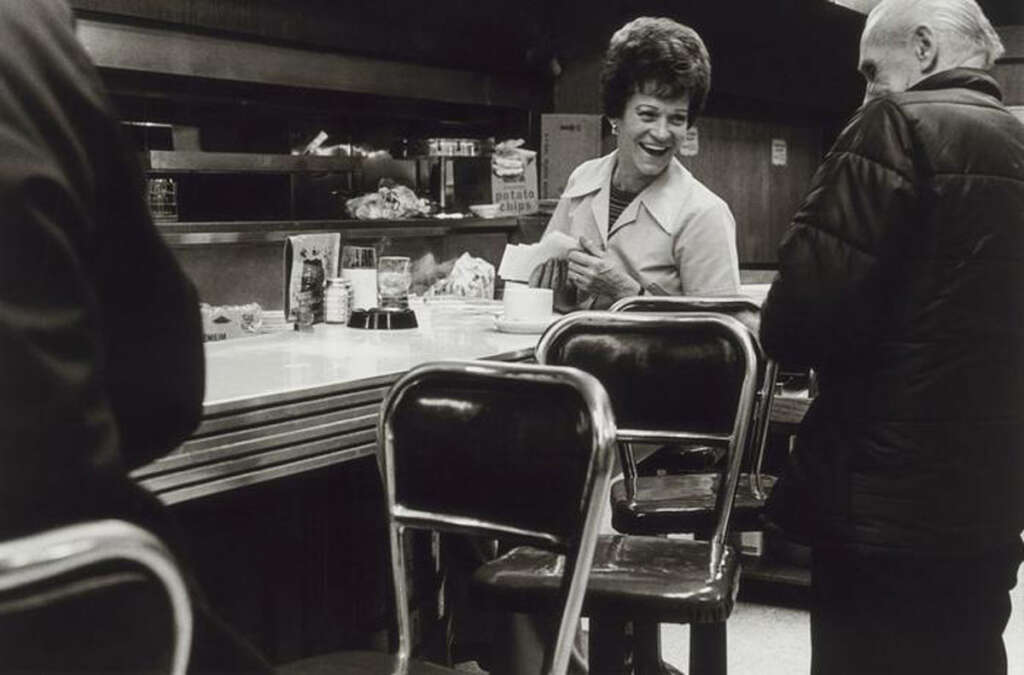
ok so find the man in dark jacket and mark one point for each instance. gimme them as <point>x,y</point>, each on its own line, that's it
<point>101,358</point>
<point>902,282</point>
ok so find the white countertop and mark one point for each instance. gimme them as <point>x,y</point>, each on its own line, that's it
<point>288,361</point>
<point>285,403</point>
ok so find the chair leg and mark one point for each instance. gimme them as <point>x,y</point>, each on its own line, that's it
<point>647,652</point>
<point>707,649</point>
<point>609,647</point>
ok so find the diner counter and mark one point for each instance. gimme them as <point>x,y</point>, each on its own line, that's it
<point>289,402</point>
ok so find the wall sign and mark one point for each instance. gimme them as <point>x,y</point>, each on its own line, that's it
<point>779,152</point>
<point>691,143</point>
<point>566,142</point>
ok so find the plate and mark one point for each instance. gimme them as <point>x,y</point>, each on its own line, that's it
<point>539,326</point>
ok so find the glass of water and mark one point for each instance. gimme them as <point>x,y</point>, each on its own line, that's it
<point>394,277</point>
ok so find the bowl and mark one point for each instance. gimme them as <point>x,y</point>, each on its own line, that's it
<point>484,210</point>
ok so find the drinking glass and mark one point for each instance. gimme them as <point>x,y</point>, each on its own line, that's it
<point>394,277</point>
<point>359,266</point>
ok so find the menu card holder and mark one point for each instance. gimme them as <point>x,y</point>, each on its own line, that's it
<point>307,250</point>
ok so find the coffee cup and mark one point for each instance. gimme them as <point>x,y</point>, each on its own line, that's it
<point>523,303</point>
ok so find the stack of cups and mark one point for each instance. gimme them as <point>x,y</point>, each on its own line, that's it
<point>359,268</point>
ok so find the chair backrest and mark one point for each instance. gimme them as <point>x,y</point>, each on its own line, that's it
<point>747,311</point>
<point>737,306</point>
<point>98,596</point>
<point>671,378</point>
<point>521,452</point>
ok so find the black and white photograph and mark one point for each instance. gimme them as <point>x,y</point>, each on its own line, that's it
<point>538,337</point>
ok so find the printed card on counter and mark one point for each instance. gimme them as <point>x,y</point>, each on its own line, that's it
<point>315,255</point>
<point>519,260</point>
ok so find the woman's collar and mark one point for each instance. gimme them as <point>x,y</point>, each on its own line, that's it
<point>591,176</point>
<point>660,198</point>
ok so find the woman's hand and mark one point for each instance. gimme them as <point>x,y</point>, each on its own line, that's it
<point>550,274</point>
<point>592,270</point>
<point>554,274</point>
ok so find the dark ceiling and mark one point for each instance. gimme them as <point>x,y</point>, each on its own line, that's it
<point>783,52</point>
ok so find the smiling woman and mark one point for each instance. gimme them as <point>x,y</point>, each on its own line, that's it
<point>644,224</point>
<point>649,132</point>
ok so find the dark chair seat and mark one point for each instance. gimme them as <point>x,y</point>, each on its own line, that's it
<point>358,663</point>
<point>683,503</point>
<point>646,578</point>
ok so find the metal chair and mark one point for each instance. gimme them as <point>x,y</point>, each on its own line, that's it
<point>684,503</point>
<point>460,439</point>
<point>646,362</point>
<point>100,596</point>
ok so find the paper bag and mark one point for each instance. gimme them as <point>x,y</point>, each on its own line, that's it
<point>514,179</point>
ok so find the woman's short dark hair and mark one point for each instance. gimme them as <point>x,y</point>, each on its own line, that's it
<point>656,56</point>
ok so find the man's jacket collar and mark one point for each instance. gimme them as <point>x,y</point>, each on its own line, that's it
<point>966,78</point>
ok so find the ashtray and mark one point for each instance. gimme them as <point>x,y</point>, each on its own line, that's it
<point>382,319</point>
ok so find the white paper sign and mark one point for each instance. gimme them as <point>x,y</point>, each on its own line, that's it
<point>691,143</point>
<point>566,142</point>
<point>778,152</point>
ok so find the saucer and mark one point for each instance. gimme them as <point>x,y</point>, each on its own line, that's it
<point>529,326</point>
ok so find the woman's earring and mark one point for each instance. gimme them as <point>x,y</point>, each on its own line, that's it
<point>615,129</point>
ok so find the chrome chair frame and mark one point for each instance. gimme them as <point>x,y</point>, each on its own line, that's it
<point>737,438</point>
<point>765,394</point>
<point>45,555</point>
<point>598,478</point>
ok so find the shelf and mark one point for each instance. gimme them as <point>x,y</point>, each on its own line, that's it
<point>180,161</point>
<point>249,232</point>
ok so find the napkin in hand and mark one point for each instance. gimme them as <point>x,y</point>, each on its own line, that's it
<point>519,260</point>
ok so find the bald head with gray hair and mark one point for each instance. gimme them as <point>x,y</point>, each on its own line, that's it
<point>964,34</point>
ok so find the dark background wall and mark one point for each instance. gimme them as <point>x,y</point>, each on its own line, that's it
<point>1010,69</point>
<point>475,34</point>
